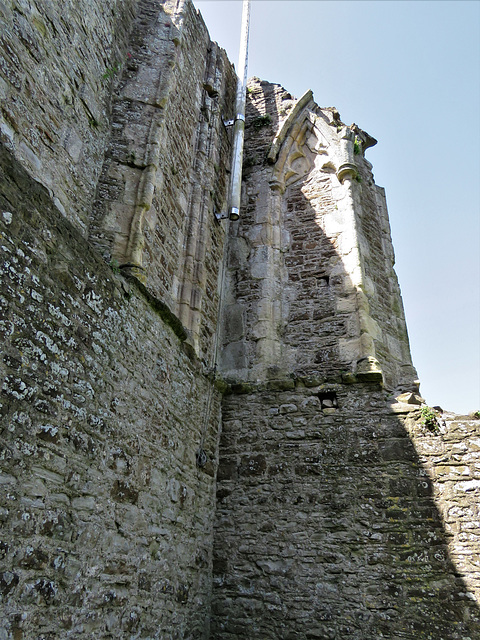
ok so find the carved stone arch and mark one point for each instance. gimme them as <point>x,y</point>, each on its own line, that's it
<point>289,154</point>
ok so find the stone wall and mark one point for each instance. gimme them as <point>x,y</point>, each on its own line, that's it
<point>449,451</point>
<point>311,288</point>
<point>165,170</point>
<point>346,521</point>
<point>109,422</point>
<point>341,512</point>
<point>106,520</point>
<point>58,62</point>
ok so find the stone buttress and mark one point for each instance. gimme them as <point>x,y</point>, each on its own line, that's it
<point>165,169</point>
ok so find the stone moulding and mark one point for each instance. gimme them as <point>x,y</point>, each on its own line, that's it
<point>346,170</point>
<point>309,194</point>
<point>286,126</point>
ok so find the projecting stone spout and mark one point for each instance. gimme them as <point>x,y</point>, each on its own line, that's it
<point>368,369</point>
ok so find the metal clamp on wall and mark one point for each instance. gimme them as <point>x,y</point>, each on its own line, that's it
<point>230,123</point>
<point>220,216</point>
<point>234,215</point>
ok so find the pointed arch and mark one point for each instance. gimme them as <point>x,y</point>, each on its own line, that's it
<point>290,156</point>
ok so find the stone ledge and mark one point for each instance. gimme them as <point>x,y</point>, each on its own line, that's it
<point>159,307</point>
<point>291,382</point>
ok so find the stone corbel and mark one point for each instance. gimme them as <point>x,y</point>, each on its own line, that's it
<point>369,370</point>
<point>346,170</point>
<point>346,157</point>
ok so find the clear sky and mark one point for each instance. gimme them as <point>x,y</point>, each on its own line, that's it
<point>408,73</point>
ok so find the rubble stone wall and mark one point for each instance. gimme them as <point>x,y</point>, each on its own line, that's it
<point>106,520</point>
<point>109,421</point>
<point>340,514</point>
<point>331,508</point>
<point>353,521</point>
<point>58,62</point>
<point>449,451</point>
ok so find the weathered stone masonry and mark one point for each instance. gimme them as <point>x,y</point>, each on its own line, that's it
<point>327,521</point>
<point>335,504</point>
<point>338,514</point>
<point>106,398</point>
<point>165,166</point>
<point>106,520</point>
<point>57,66</point>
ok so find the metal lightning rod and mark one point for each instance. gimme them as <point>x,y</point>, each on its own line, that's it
<point>239,130</point>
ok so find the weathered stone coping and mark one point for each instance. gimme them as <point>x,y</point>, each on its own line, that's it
<point>159,307</point>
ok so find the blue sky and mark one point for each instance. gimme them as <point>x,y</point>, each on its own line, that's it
<point>408,73</point>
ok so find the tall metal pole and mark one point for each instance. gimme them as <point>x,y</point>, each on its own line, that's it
<point>239,131</point>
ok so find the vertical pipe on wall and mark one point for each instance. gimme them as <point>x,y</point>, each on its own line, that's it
<point>237,159</point>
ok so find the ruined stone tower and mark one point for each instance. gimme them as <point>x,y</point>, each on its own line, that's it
<point>324,512</point>
<point>208,429</point>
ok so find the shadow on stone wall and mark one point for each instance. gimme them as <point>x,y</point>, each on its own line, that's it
<point>326,526</point>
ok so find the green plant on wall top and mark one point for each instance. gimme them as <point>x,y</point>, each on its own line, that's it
<point>357,146</point>
<point>429,418</point>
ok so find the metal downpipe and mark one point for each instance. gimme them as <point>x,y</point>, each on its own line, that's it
<point>239,130</point>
